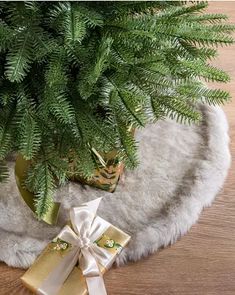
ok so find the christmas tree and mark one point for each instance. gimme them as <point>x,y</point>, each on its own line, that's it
<point>78,77</point>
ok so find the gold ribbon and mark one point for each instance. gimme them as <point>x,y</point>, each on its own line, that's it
<point>87,227</point>
<point>21,168</point>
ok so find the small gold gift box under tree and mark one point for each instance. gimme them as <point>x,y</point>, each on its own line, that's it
<point>106,174</point>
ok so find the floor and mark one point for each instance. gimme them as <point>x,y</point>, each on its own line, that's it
<point>203,261</point>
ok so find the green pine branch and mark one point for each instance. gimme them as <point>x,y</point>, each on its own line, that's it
<point>19,58</point>
<point>7,130</point>
<point>46,187</point>
<point>30,136</point>
<point>4,173</point>
<point>92,71</point>
<point>76,78</point>
<point>177,109</point>
<point>6,36</point>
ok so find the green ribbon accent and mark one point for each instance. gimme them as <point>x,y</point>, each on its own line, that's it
<point>21,167</point>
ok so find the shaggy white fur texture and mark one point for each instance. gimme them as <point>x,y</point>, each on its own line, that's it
<point>181,170</point>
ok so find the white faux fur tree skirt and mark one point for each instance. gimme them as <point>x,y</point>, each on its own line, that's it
<point>181,170</point>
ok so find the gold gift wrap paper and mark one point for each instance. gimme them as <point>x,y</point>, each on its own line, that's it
<point>113,240</point>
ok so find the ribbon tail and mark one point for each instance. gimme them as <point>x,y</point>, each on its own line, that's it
<point>91,271</point>
<point>96,285</point>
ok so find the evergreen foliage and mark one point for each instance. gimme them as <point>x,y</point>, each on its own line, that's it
<point>77,77</point>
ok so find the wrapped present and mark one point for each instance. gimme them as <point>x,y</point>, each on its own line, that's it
<point>75,261</point>
<point>106,174</point>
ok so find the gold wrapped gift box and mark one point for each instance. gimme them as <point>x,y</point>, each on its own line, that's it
<point>113,240</point>
<point>106,175</point>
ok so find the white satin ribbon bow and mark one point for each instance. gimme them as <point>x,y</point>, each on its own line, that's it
<point>87,227</point>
